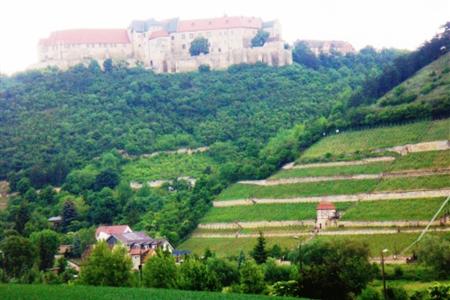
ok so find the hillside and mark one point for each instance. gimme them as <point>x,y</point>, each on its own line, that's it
<point>431,83</point>
<point>384,198</point>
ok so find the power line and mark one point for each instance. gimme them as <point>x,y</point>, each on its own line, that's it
<point>428,226</point>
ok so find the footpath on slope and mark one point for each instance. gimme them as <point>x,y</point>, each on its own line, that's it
<point>340,163</point>
<point>379,196</point>
<point>303,233</point>
<point>398,174</point>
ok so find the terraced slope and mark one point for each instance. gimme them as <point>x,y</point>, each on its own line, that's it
<point>412,188</point>
<point>371,139</point>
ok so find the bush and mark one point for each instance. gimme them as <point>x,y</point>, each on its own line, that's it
<point>396,293</point>
<point>286,288</point>
<point>439,292</point>
<point>369,294</point>
<point>252,278</point>
<point>398,272</point>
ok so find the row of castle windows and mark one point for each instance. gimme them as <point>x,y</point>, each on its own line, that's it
<point>100,45</point>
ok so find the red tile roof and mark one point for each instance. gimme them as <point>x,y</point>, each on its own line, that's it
<point>157,34</point>
<point>87,36</point>
<point>116,229</point>
<point>219,23</point>
<point>325,205</point>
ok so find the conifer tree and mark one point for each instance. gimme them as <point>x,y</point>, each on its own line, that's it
<point>259,253</point>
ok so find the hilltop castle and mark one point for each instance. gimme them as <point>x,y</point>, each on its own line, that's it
<point>163,46</point>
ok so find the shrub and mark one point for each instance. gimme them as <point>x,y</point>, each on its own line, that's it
<point>369,294</point>
<point>396,293</point>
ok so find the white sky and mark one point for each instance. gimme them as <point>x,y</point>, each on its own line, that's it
<point>381,23</point>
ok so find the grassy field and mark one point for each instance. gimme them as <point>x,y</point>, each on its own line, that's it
<point>370,139</point>
<point>57,292</point>
<point>387,210</point>
<point>233,246</point>
<point>167,166</point>
<point>394,210</point>
<point>241,191</point>
<point>431,159</point>
<point>420,160</point>
<point>265,212</point>
<point>373,168</point>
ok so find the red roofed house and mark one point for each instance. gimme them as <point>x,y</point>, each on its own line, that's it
<point>326,211</point>
<point>104,232</point>
<point>163,46</point>
<point>140,246</point>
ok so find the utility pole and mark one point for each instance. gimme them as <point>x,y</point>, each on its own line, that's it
<point>382,272</point>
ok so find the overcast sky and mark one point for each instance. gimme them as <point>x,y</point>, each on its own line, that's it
<point>381,23</point>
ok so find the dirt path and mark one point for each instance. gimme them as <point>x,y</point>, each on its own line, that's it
<point>324,233</point>
<point>340,163</point>
<point>340,198</point>
<point>399,174</point>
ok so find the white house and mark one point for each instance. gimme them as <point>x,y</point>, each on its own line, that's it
<point>326,211</point>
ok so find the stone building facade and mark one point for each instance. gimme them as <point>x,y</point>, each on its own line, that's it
<point>163,46</point>
<point>326,47</point>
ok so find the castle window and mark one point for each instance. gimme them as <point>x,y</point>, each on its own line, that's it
<point>173,37</point>
<point>183,46</point>
<point>220,49</point>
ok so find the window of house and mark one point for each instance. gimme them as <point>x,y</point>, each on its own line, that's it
<point>220,49</point>
<point>173,37</point>
<point>183,46</point>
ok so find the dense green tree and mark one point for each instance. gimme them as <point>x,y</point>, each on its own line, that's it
<point>334,270</point>
<point>106,178</point>
<point>68,214</point>
<point>259,39</point>
<point>259,252</point>
<point>105,266</point>
<point>108,65</point>
<point>46,243</point>
<point>160,271</point>
<point>194,275</point>
<point>199,45</point>
<point>274,272</point>
<point>252,278</point>
<point>23,185</point>
<point>226,272</point>
<point>22,216</point>
<point>18,255</point>
<point>303,55</point>
<point>435,252</point>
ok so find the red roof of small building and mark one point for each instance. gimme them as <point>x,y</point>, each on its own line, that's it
<point>325,205</point>
<point>219,23</point>
<point>157,34</point>
<point>115,229</point>
<point>87,36</point>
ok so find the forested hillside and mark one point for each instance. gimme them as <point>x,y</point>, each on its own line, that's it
<point>83,129</point>
<point>52,121</point>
